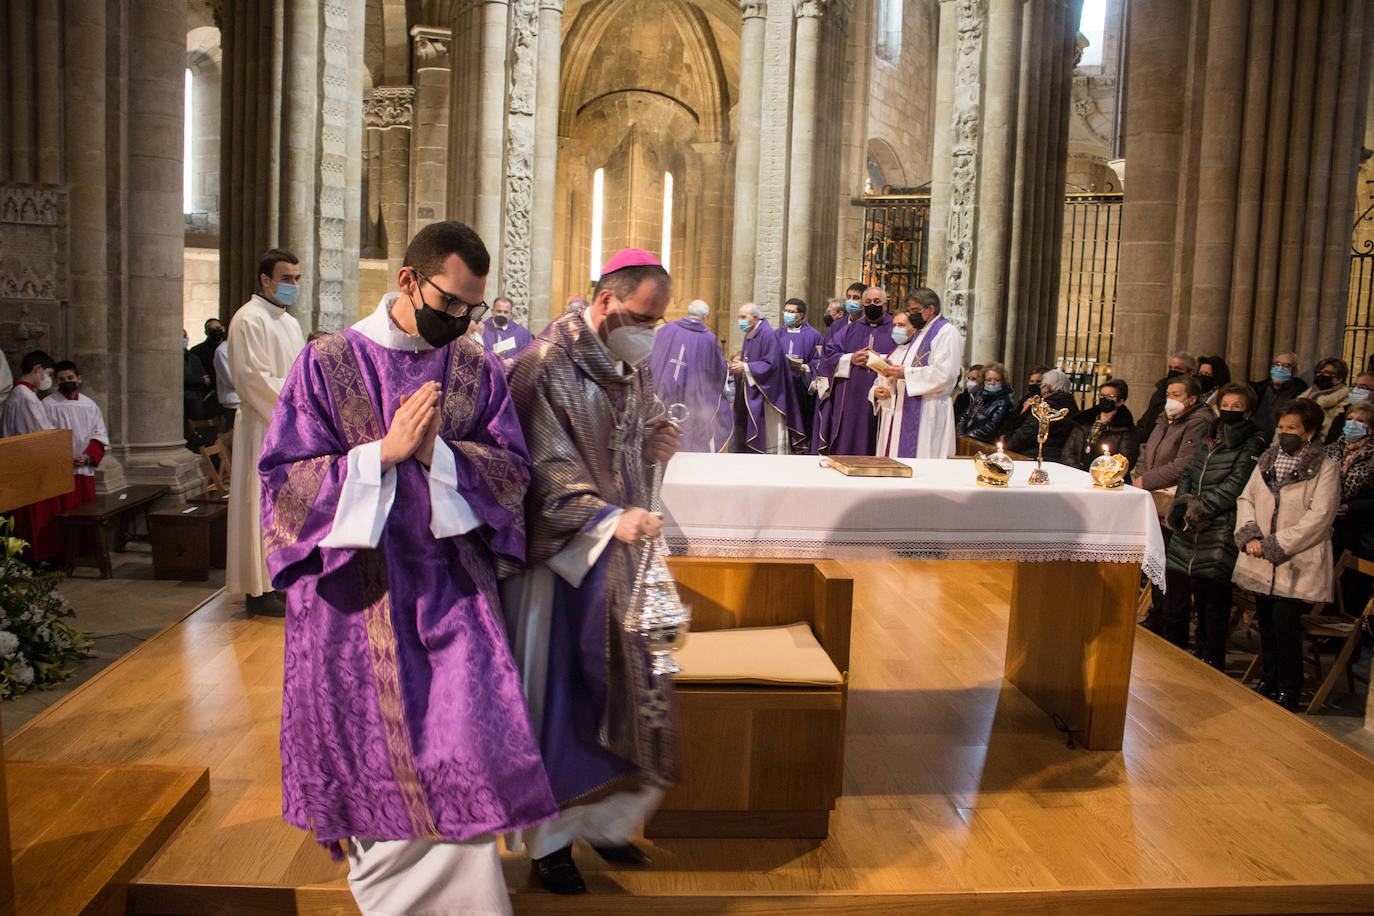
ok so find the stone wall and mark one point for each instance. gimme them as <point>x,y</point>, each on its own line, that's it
<point>901,106</point>
<point>199,290</point>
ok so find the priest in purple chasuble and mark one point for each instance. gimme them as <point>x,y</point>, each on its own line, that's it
<point>502,334</point>
<point>687,368</point>
<point>841,313</point>
<point>915,413</point>
<point>767,418</point>
<point>801,344</point>
<point>851,428</point>
<point>394,474</point>
<point>606,724</point>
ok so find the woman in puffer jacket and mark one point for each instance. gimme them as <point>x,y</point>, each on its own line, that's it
<point>1202,552</point>
<point>1283,529</point>
<point>990,406</point>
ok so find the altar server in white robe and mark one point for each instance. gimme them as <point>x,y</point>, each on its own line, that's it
<point>912,397</point>
<point>264,341</point>
<point>70,409</point>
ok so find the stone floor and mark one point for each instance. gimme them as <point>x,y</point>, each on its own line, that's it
<point>123,611</point>
<point>119,613</point>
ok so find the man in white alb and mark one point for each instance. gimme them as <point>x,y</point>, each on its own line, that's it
<point>264,341</point>
<point>919,423</point>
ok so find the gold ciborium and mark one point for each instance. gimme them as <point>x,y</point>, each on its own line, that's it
<point>993,470</point>
<point>1044,416</point>
<point>1109,471</point>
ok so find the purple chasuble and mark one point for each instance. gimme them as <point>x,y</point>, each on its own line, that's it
<point>495,338</point>
<point>688,368</point>
<point>805,344</point>
<point>851,427</point>
<point>911,409</point>
<point>402,711</point>
<point>772,388</point>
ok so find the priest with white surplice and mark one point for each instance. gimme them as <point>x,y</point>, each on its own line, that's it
<point>72,410</point>
<point>912,395</point>
<point>264,340</point>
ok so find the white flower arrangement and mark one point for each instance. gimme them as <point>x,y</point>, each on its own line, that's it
<point>38,647</point>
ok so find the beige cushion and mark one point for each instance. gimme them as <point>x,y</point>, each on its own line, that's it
<point>787,655</point>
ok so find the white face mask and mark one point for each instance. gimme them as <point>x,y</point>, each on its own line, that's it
<point>1173,408</point>
<point>46,383</point>
<point>632,344</point>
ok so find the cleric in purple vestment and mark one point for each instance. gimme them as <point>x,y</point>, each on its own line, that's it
<point>767,418</point>
<point>840,314</point>
<point>394,474</point>
<point>502,334</point>
<point>687,368</point>
<point>801,344</point>
<point>850,427</point>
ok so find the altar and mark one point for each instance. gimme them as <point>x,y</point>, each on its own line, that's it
<point>1079,553</point>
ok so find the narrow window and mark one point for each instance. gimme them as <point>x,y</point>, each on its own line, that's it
<point>187,169</point>
<point>667,218</point>
<point>598,185</point>
<point>1093,25</point>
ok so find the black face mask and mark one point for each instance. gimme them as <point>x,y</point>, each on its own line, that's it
<point>438,328</point>
<point>829,319</point>
<point>1174,373</point>
<point>67,387</point>
<point>1206,382</point>
<point>873,312</point>
<point>1291,443</point>
<point>1324,383</point>
<point>917,321</point>
<point>1230,417</point>
<point>500,321</point>
<point>1032,389</point>
<point>1106,405</point>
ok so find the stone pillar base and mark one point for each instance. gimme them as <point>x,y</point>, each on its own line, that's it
<point>168,464</point>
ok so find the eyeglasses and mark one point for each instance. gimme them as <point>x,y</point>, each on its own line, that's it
<point>1279,364</point>
<point>449,302</point>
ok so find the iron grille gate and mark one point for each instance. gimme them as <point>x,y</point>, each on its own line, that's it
<point>1087,290</point>
<point>1359,314</point>
<point>896,242</point>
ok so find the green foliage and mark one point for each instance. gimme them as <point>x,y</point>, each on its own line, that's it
<point>38,648</point>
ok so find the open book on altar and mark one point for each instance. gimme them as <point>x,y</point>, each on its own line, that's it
<point>867,466</point>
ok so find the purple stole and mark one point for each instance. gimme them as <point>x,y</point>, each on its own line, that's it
<point>911,412</point>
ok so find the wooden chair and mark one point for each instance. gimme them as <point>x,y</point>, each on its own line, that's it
<point>1317,628</point>
<point>760,759</point>
<point>214,460</point>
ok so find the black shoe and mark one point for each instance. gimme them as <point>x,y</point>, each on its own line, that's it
<point>1267,688</point>
<point>1288,699</point>
<point>270,604</point>
<point>557,873</point>
<point>628,854</point>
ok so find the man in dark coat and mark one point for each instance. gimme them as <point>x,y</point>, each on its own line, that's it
<point>1283,384</point>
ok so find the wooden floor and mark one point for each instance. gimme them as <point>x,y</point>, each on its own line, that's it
<point>959,795</point>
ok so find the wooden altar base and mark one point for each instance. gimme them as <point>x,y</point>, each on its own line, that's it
<point>959,795</point>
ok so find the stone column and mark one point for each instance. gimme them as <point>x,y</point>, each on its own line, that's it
<point>541,309</point>
<point>801,190</point>
<point>388,115</point>
<point>428,168</point>
<point>153,449</point>
<point>770,243</point>
<point>301,157</point>
<point>517,205</point>
<point>477,119</point>
<point>747,153</point>
<point>1243,152</point>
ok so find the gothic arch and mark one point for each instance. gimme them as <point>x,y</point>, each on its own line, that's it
<point>888,161</point>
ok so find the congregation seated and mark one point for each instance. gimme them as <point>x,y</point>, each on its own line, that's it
<point>1033,381</point>
<point>1202,551</point>
<point>1329,390</point>
<point>1359,393</point>
<point>1283,529</point>
<point>1175,437</point>
<point>1107,423</point>
<point>989,407</point>
<point>973,381</point>
<point>1353,451</point>
<point>1180,365</point>
<point>1212,373</point>
<point>1054,388</point>
<point>1283,384</point>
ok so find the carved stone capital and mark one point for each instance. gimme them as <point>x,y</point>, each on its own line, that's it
<point>431,45</point>
<point>810,9</point>
<point>753,9</point>
<point>389,106</point>
<point>554,5</point>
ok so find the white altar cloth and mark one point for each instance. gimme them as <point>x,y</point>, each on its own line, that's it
<point>741,505</point>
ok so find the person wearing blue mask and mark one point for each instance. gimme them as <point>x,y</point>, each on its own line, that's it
<point>1359,393</point>
<point>768,420</point>
<point>1354,451</point>
<point>1283,384</point>
<point>801,344</point>
<point>917,415</point>
<point>991,404</point>
<point>264,341</point>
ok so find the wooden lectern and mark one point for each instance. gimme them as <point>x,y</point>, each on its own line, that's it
<point>33,467</point>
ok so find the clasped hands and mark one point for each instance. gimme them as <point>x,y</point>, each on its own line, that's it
<point>413,429</point>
